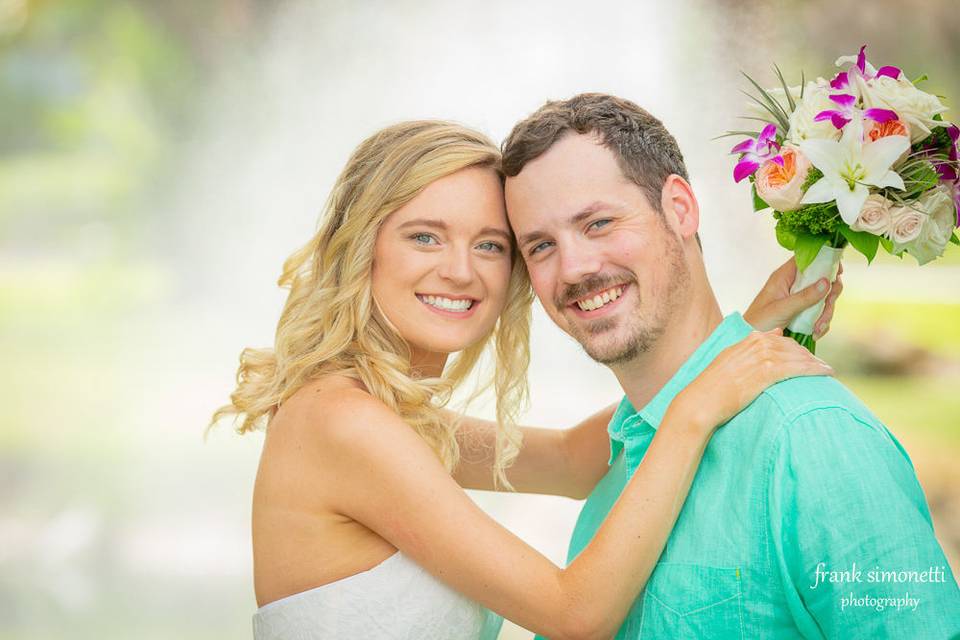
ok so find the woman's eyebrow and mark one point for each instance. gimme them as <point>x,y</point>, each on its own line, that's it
<point>496,231</point>
<point>426,222</point>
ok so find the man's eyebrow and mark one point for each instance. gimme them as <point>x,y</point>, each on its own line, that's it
<point>575,219</point>
<point>588,211</point>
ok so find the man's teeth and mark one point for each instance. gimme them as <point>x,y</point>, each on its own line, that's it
<point>446,303</point>
<point>600,299</point>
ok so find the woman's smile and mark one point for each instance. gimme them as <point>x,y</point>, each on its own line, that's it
<point>452,306</point>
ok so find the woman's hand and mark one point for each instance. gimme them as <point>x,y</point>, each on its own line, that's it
<point>775,306</point>
<point>741,372</point>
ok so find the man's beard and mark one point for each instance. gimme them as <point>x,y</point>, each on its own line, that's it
<point>644,327</point>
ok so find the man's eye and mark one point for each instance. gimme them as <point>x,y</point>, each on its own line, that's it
<point>599,224</point>
<point>495,247</point>
<point>540,247</point>
<point>423,238</point>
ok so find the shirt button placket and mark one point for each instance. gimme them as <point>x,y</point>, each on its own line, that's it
<point>637,434</point>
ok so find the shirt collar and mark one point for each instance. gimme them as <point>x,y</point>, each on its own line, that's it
<point>626,419</point>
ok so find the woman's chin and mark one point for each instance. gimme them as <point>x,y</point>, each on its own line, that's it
<point>443,345</point>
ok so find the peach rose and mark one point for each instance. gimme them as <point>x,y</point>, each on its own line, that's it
<point>876,130</point>
<point>780,186</point>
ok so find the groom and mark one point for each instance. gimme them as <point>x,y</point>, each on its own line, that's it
<point>805,518</point>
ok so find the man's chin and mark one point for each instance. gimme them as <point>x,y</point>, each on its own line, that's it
<point>612,347</point>
<point>609,355</point>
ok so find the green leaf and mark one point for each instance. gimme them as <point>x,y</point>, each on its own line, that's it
<point>887,245</point>
<point>921,78</point>
<point>785,238</point>
<point>758,203</point>
<point>779,119</point>
<point>954,239</point>
<point>807,248</point>
<point>865,243</point>
<point>771,105</point>
<point>786,89</point>
<point>751,134</point>
<point>767,120</point>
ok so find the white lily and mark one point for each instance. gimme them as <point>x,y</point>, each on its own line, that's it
<point>849,166</point>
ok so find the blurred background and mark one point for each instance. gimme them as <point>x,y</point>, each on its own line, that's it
<point>159,160</point>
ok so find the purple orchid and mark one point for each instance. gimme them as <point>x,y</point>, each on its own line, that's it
<point>848,110</point>
<point>950,170</point>
<point>757,151</point>
<point>846,101</point>
<point>863,69</point>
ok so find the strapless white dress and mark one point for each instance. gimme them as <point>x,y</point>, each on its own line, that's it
<point>395,600</point>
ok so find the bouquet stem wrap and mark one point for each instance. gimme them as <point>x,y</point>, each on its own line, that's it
<point>825,265</point>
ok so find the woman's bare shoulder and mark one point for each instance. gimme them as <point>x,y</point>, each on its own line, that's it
<point>333,411</point>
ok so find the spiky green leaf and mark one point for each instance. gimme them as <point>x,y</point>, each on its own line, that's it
<point>786,89</point>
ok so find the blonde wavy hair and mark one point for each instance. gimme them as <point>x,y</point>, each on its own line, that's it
<point>331,324</point>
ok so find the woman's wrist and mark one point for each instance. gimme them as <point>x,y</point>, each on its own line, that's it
<point>690,417</point>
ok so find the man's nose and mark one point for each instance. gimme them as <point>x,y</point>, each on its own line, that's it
<point>577,260</point>
<point>456,266</point>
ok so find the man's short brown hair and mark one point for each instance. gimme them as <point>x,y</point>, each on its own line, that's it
<point>645,150</point>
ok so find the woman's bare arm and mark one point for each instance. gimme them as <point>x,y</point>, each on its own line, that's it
<point>384,476</point>
<point>563,462</point>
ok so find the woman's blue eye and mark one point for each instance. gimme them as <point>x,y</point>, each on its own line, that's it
<point>491,246</point>
<point>599,224</point>
<point>423,238</point>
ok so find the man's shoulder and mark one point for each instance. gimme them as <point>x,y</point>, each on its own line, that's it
<point>793,399</point>
<point>818,417</point>
<point>814,410</point>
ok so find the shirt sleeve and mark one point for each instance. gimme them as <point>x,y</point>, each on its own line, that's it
<point>852,534</point>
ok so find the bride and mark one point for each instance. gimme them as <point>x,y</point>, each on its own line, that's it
<point>361,526</point>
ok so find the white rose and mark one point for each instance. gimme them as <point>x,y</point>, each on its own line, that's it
<point>905,224</point>
<point>874,217</point>
<point>938,224</point>
<point>816,98</point>
<point>915,107</point>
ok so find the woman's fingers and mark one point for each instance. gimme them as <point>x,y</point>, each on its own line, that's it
<point>823,322</point>
<point>742,371</point>
<point>771,358</point>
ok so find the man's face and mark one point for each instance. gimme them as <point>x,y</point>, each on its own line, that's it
<point>605,264</point>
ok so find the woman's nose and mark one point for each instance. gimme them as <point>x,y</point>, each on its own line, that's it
<point>457,267</point>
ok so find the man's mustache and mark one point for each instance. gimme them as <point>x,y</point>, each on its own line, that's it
<point>590,284</point>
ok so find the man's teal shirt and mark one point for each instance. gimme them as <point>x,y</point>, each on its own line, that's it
<point>805,520</point>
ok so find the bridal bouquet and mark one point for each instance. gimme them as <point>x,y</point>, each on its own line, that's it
<point>864,159</point>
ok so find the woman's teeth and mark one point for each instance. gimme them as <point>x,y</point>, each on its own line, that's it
<point>446,303</point>
<point>600,299</point>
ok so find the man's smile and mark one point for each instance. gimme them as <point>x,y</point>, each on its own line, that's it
<point>599,303</point>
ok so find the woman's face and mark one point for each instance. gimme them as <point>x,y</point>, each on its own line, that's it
<point>442,263</point>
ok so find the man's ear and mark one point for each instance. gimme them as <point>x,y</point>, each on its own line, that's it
<point>680,206</point>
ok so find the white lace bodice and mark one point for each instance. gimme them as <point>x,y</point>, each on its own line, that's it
<point>395,600</point>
